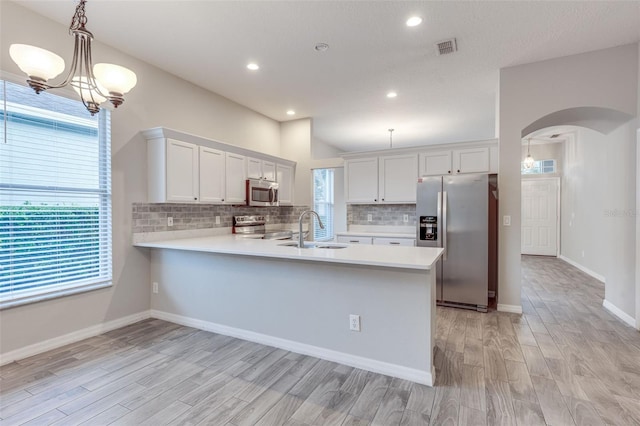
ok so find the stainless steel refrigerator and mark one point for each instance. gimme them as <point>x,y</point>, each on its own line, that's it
<point>459,214</point>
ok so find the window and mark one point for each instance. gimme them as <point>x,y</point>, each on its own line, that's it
<point>55,197</point>
<point>323,203</point>
<point>539,167</point>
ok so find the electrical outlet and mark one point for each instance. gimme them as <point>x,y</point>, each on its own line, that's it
<point>506,220</point>
<point>369,217</point>
<point>169,221</point>
<point>155,288</point>
<point>354,322</point>
<point>405,218</point>
<point>217,220</point>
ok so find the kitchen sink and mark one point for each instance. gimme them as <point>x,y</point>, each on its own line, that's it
<point>314,245</point>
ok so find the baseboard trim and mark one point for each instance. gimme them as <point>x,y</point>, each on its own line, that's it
<point>582,268</point>
<point>623,316</point>
<point>368,364</point>
<point>514,309</point>
<point>72,337</point>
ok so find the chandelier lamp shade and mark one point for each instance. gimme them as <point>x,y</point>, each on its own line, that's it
<point>528,161</point>
<point>94,84</point>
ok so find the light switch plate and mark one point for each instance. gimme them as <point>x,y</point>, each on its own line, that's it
<point>506,220</point>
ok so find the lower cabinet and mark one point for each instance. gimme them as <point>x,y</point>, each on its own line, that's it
<point>394,241</point>
<point>388,241</point>
<point>345,239</point>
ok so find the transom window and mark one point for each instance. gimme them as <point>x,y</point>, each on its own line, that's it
<point>539,167</point>
<point>55,197</point>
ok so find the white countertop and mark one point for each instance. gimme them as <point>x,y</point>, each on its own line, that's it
<point>422,258</point>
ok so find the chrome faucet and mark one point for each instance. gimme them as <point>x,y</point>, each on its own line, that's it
<point>300,234</point>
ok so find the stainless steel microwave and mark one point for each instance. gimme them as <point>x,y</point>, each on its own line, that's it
<point>262,193</point>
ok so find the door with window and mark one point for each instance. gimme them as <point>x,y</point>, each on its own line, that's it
<point>540,216</point>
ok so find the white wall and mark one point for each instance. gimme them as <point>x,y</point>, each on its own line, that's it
<point>159,99</point>
<point>605,78</point>
<point>295,142</point>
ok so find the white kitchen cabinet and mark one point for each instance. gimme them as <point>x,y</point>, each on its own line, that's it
<point>457,161</point>
<point>173,171</point>
<point>435,163</point>
<point>284,177</point>
<point>397,177</point>
<point>212,175</point>
<point>471,160</point>
<point>347,239</point>
<point>385,241</point>
<point>261,169</point>
<point>235,179</point>
<point>361,180</point>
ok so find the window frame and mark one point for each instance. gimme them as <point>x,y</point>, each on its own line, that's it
<point>329,202</point>
<point>104,278</point>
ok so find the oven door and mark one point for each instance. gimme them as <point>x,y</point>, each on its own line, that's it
<point>262,193</point>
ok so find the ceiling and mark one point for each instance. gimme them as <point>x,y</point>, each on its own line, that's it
<point>440,99</point>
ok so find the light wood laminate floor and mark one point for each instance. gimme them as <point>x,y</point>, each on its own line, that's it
<point>565,361</point>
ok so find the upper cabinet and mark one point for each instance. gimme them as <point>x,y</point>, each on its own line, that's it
<point>212,175</point>
<point>386,179</point>
<point>397,177</point>
<point>456,161</point>
<point>284,177</point>
<point>175,178</point>
<point>198,170</point>
<point>390,176</point>
<point>361,180</point>
<point>236,179</point>
<point>261,169</point>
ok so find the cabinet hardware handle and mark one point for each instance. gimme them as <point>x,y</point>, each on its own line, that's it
<point>449,171</point>
<point>195,198</point>
<point>395,243</point>
<point>375,199</point>
<point>458,170</point>
<point>223,199</point>
<point>354,241</point>
<point>383,199</point>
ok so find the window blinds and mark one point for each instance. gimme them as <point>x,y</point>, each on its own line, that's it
<point>55,197</point>
<point>323,203</point>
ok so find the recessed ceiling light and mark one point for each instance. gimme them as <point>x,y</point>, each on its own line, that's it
<point>253,67</point>
<point>392,95</point>
<point>414,21</point>
<point>291,112</point>
<point>321,47</point>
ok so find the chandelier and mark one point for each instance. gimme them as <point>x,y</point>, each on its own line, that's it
<point>94,84</point>
<point>529,161</point>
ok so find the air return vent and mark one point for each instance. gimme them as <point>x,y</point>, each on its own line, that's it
<point>447,46</point>
<point>554,136</point>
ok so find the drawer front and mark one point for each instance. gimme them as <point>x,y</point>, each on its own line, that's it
<point>395,241</point>
<point>346,239</point>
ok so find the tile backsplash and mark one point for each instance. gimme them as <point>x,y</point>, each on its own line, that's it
<point>149,217</point>
<point>381,214</point>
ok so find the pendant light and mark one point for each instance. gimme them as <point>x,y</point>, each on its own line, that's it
<point>528,161</point>
<point>391,138</point>
<point>94,84</point>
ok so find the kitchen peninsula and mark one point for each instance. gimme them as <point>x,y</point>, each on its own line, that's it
<point>301,299</point>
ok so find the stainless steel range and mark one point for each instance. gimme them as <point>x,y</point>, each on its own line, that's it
<point>254,226</point>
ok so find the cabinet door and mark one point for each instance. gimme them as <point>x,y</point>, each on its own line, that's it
<point>254,168</point>
<point>361,180</point>
<point>471,160</point>
<point>435,163</point>
<point>346,239</point>
<point>385,241</point>
<point>212,175</point>
<point>269,170</point>
<point>284,177</point>
<point>235,179</point>
<point>182,172</point>
<point>398,177</point>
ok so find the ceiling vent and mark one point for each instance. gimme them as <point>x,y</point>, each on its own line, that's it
<point>447,46</point>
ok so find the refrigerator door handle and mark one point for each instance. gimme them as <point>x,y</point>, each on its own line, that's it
<point>444,224</point>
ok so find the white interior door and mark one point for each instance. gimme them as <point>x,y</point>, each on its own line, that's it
<point>540,216</point>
